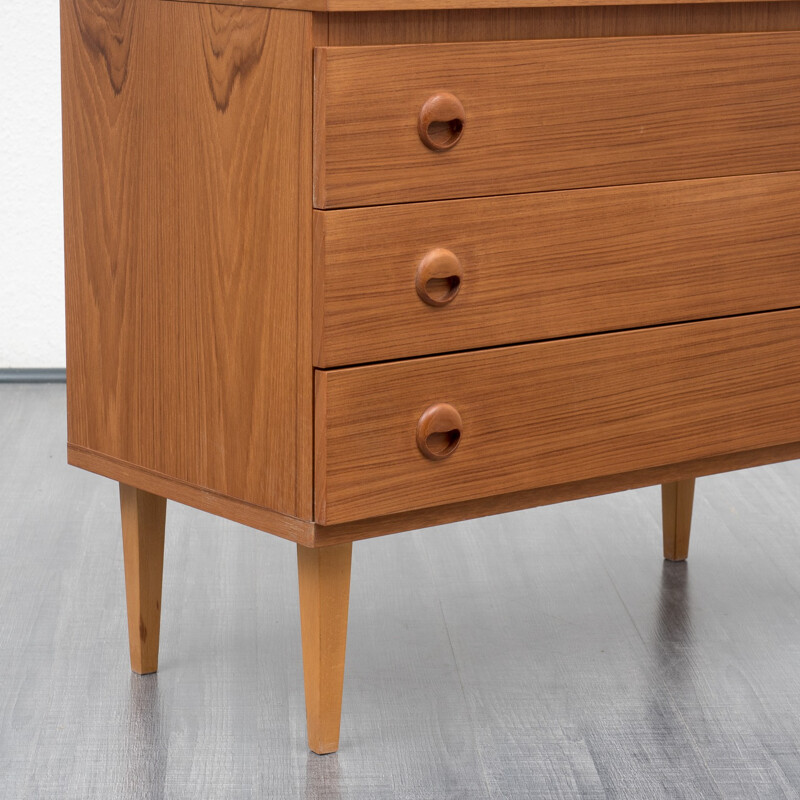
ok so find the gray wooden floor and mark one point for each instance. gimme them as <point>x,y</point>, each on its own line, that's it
<point>546,654</point>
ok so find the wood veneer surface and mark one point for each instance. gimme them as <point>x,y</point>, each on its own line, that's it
<point>419,5</point>
<point>187,132</point>
<point>407,27</point>
<point>554,114</point>
<point>554,264</point>
<point>555,412</point>
<point>146,73</point>
<point>325,535</point>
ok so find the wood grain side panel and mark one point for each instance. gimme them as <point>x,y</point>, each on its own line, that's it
<point>554,264</point>
<point>559,412</point>
<point>107,163</point>
<point>187,137</point>
<point>409,27</point>
<point>544,115</point>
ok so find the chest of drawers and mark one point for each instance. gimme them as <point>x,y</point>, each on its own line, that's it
<point>344,268</point>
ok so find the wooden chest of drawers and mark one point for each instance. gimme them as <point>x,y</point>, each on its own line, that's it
<point>342,268</point>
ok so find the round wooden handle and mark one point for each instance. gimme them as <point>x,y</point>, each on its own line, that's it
<point>439,431</point>
<point>439,277</point>
<point>441,121</point>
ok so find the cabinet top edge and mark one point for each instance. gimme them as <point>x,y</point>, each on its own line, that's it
<point>451,5</point>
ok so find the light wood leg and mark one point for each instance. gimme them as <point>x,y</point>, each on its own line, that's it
<point>676,509</point>
<point>143,518</point>
<point>324,576</point>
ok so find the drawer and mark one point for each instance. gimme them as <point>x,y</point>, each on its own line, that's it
<point>422,278</point>
<point>550,413</point>
<point>551,114</point>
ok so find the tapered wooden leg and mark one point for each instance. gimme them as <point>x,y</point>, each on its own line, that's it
<point>143,518</point>
<point>324,575</point>
<point>676,509</point>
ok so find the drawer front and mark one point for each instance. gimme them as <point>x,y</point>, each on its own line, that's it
<point>539,115</point>
<point>550,413</point>
<point>502,270</point>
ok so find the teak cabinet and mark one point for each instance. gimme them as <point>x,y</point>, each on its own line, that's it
<point>342,268</point>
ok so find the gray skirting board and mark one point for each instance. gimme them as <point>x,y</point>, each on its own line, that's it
<point>57,375</point>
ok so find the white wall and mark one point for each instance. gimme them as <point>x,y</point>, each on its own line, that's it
<point>31,226</point>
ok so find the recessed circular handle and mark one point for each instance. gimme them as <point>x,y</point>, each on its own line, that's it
<point>439,431</point>
<point>441,121</point>
<point>439,277</point>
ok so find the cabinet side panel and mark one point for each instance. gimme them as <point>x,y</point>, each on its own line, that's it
<point>187,215</point>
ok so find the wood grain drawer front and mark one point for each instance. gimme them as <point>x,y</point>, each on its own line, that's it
<point>550,413</point>
<point>557,114</point>
<point>552,264</point>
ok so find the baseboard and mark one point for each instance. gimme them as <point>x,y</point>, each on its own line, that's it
<point>57,375</point>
